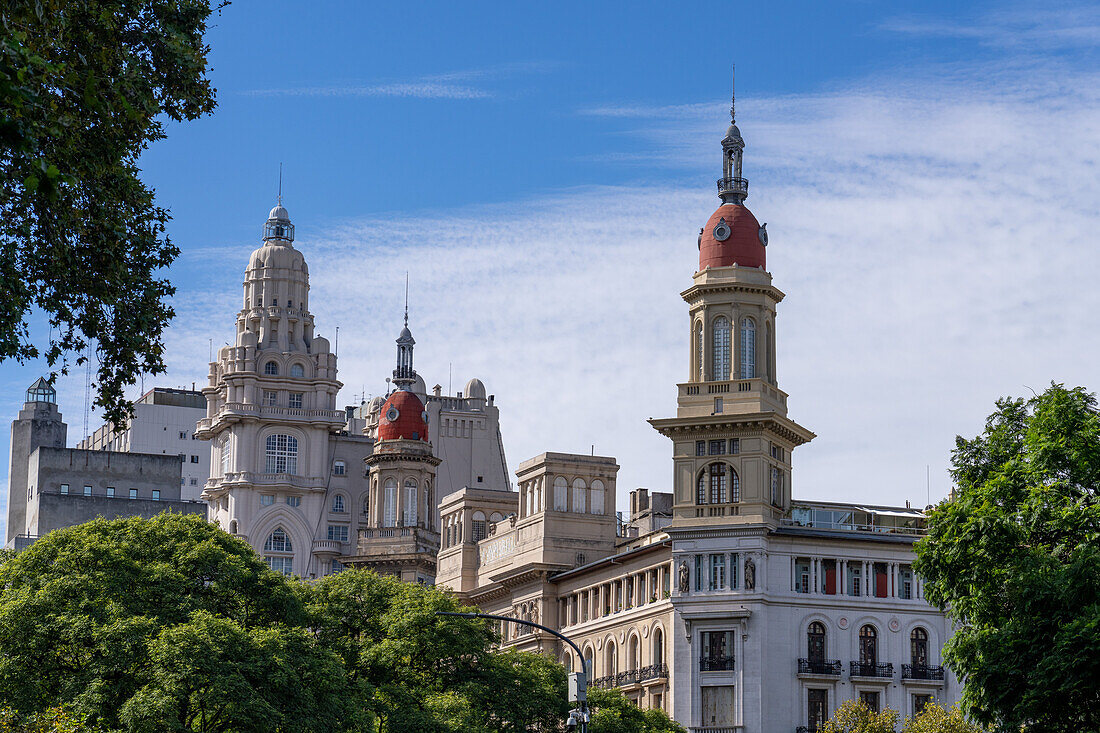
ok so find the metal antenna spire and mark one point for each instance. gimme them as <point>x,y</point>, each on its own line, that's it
<point>406,298</point>
<point>280,184</point>
<point>733,92</point>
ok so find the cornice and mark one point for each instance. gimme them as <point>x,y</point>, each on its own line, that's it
<point>697,291</point>
<point>785,428</point>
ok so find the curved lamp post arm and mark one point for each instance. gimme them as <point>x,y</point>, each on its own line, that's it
<point>558,634</point>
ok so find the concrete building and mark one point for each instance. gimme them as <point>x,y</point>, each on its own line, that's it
<point>725,602</point>
<point>298,478</point>
<point>163,423</point>
<point>51,486</point>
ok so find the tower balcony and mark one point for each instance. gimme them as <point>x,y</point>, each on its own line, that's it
<point>233,412</point>
<point>733,185</point>
<point>392,542</point>
<point>737,396</point>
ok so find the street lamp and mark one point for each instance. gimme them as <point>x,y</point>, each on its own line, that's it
<point>578,681</point>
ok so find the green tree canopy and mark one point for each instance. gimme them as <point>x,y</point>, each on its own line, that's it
<point>854,716</point>
<point>1014,558</point>
<point>85,86</point>
<point>612,712</point>
<point>162,624</point>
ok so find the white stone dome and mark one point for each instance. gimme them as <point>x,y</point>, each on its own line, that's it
<point>475,388</point>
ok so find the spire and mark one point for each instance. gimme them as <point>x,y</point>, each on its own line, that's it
<point>280,199</point>
<point>404,375</point>
<point>277,228</point>
<point>732,187</point>
<point>733,99</point>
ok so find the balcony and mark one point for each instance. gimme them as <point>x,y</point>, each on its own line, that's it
<point>326,547</point>
<point>921,672</point>
<point>653,672</point>
<point>831,667</point>
<point>720,663</point>
<point>874,671</point>
<point>733,185</point>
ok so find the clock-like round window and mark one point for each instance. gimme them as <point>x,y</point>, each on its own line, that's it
<point>392,414</point>
<point>424,416</point>
<point>722,231</point>
<point>763,234</point>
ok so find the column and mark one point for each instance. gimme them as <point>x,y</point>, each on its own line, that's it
<point>841,577</point>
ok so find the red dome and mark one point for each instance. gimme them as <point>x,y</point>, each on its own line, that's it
<point>403,417</point>
<point>742,246</point>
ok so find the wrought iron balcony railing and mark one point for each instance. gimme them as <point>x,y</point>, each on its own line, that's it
<point>820,666</point>
<point>733,185</point>
<point>921,672</point>
<point>653,672</point>
<point>859,669</point>
<point>720,663</point>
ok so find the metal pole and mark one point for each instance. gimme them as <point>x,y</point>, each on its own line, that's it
<point>583,703</point>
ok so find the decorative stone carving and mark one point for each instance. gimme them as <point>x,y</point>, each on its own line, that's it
<point>685,577</point>
<point>750,574</point>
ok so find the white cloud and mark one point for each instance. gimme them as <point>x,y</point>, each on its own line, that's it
<point>936,240</point>
<point>1055,26</point>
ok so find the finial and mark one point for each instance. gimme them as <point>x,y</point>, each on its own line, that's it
<point>733,93</point>
<point>280,184</point>
<point>406,298</point>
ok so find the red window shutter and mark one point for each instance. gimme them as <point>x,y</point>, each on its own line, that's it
<point>830,580</point>
<point>880,584</point>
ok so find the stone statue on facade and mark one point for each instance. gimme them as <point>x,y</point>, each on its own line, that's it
<point>685,577</point>
<point>750,574</point>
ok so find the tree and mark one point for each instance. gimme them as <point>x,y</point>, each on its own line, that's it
<point>163,624</point>
<point>934,719</point>
<point>854,716</point>
<point>85,87</point>
<point>1014,558</point>
<point>614,713</point>
<point>418,671</point>
<point>53,720</point>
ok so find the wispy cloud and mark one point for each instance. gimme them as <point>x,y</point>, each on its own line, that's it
<point>460,84</point>
<point>1047,28</point>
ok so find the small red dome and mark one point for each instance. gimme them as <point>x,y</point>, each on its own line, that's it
<point>741,247</point>
<point>403,417</point>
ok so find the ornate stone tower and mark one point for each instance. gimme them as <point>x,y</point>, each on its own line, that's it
<point>402,537</point>
<point>38,424</point>
<point>732,439</point>
<point>271,407</point>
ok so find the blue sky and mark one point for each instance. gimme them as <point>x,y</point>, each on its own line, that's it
<point>927,170</point>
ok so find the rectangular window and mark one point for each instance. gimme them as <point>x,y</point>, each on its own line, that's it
<point>735,446</point>
<point>700,447</point>
<point>294,501</point>
<point>339,468</point>
<point>905,585</point>
<point>338,532</point>
<point>920,702</point>
<point>870,699</point>
<point>183,435</point>
<point>269,398</point>
<point>802,576</point>
<point>717,447</point>
<point>64,488</point>
<point>777,452</point>
<point>337,567</point>
<point>717,651</point>
<point>479,530</point>
<point>855,569</point>
<point>717,706</point>
<point>194,459</point>
<point>294,400</point>
<point>717,572</point>
<point>133,493</point>
<point>183,458</point>
<point>156,494</point>
<point>818,711</point>
<point>87,491</point>
<point>280,564</point>
<point>194,482</point>
<point>734,561</point>
<point>110,491</point>
<point>267,499</point>
<point>698,572</point>
<point>717,405</point>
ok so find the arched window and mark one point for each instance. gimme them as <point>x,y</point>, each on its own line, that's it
<point>769,353</point>
<point>611,660</point>
<point>597,497</point>
<point>567,661</point>
<point>365,510</point>
<point>588,657</point>
<point>701,488</point>
<point>700,354</point>
<point>282,454</point>
<point>918,647</point>
<point>233,527</point>
<point>338,504</point>
<point>720,364</point>
<point>271,368</point>
<point>658,647</point>
<point>408,517</point>
<point>579,491</point>
<point>278,552</point>
<point>495,517</point>
<point>479,528</point>
<point>815,643</point>
<point>389,503</point>
<point>868,646</point>
<point>296,370</point>
<point>561,494</point>
<point>719,483</point>
<point>633,646</point>
<point>748,348</point>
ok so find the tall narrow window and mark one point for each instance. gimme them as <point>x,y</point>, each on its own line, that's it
<point>561,494</point>
<point>579,490</point>
<point>717,572</point>
<point>282,454</point>
<point>408,517</point>
<point>338,504</point>
<point>721,349</point>
<point>868,648</point>
<point>918,647</point>
<point>719,483</point>
<point>479,526</point>
<point>700,358</point>
<point>597,497</point>
<point>815,643</point>
<point>226,456</point>
<point>748,348</point>
<point>389,505</point>
<point>658,647</point>
<point>701,488</point>
<point>769,354</point>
